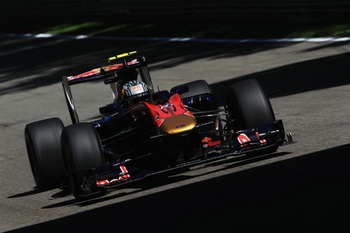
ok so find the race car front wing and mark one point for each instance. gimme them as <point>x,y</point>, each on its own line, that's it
<point>263,138</point>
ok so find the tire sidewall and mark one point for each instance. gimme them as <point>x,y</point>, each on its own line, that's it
<point>82,151</point>
<point>43,144</point>
<point>248,105</point>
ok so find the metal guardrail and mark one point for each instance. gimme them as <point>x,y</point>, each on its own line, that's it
<point>172,10</point>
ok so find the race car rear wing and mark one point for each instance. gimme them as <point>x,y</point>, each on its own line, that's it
<point>105,73</point>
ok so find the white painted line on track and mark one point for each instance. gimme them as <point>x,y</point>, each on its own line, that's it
<point>180,39</point>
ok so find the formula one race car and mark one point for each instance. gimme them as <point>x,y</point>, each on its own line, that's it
<point>146,132</point>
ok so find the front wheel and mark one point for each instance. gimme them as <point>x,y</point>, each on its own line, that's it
<point>82,150</point>
<point>43,142</point>
<point>249,107</point>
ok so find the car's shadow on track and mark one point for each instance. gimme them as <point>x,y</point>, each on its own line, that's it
<point>303,194</point>
<point>28,193</point>
<point>35,190</point>
<point>166,179</point>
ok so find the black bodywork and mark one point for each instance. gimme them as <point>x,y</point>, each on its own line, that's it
<point>130,139</point>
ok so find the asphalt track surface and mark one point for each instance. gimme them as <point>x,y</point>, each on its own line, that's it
<point>304,187</point>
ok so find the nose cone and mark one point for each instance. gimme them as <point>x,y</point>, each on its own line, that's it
<point>178,124</point>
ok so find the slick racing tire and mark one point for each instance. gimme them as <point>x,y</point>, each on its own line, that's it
<point>198,87</point>
<point>248,105</point>
<point>43,142</point>
<point>82,150</point>
<point>197,95</point>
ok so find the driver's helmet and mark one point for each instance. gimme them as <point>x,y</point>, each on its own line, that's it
<point>135,91</point>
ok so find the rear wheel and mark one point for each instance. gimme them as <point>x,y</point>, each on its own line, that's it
<point>198,87</point>
<point>82,150</point>
<point>43,142</point>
